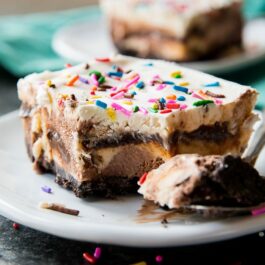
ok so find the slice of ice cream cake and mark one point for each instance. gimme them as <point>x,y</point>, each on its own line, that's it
<point>100,125</point>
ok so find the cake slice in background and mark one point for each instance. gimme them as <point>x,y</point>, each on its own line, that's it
<point>176,30</point>
<point>100,125</point>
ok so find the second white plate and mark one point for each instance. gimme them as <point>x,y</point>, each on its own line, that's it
<point>91,39</point>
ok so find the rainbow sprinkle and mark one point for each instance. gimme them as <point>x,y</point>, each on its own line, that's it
<point>181,98</point>
<point>46,189</point>
<point>101,104</point>
<point>168,83</point>
<point>176,74</point>
<point>140,85</point>
<point>181,89</point>
<point>121,109</point>
<point>72,81</point>
<point>118,95</point>
<point>135,109</point>
<point>97,253</point>
<point>143,110</point>
<point>258,211</point>
<point>159,259</point>
<point>214,84</point>
<point>202,103</point>
<point>111,114</point>
<point>133,81</point>
<point>117,74</point>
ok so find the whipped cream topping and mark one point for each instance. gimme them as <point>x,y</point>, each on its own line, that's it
<point>174,16</point>
<point>129,94</point>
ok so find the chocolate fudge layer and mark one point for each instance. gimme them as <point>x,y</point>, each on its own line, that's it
<point>204,180</point>
<point>175,30</point>
<point>100,125</point>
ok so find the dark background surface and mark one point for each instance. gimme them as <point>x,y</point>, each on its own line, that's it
<point>27,246</point>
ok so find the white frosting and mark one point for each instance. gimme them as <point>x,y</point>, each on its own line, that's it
<point>186,119</point>
<point>171,15</point>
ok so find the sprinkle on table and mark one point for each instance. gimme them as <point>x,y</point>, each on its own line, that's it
<point>101,104</point>
<point>202,103</point>
<point>258,211</point>
<point>16,226</point>
<point>213,84</point>
<point>97,252</point>
<point>181,89</point>
<point>159,259</point>
<point>58,208</point>
<point>89,258</point>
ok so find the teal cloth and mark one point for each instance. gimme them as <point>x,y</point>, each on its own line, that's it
<point>25,43</point>
<point>25,40</point>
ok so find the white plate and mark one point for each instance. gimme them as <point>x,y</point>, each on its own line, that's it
<point>84,40</point>
<point>100,220</point>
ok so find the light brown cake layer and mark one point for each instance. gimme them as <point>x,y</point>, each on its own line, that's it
<point>208,36</point>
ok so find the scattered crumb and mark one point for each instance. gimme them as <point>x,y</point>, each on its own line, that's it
<point>59,208</point>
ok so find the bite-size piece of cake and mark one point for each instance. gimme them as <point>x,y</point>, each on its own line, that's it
<point>177,30</point>
<point>185,180</point>
<point>100,125</point>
